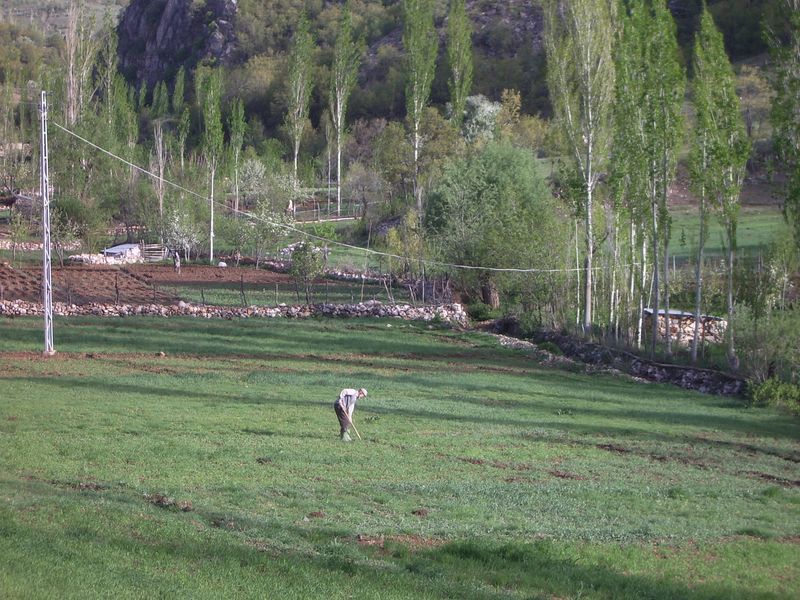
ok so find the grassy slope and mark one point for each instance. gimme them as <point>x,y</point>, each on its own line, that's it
<point>758,228</point>
<point>527,481</point>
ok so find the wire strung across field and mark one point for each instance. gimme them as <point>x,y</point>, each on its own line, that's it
<point>312,236</point>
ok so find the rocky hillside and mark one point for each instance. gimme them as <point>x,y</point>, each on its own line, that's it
<point>252,36</point>
<point>156,37</point>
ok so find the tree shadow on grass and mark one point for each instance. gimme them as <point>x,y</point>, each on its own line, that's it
<point>118,389</point>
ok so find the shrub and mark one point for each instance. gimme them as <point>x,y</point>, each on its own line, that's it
<point>478,311</point>
<point>777,393</point>
<point>551,348</point>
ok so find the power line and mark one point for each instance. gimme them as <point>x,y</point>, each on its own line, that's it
<point>311,235</point>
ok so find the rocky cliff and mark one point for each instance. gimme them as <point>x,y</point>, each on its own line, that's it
<point>156,37</point>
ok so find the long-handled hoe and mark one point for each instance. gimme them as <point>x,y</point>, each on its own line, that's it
<point>353,425</point>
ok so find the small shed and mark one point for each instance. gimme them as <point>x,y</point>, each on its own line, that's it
<point>125,251</point>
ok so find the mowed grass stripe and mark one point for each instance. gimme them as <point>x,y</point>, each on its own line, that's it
<point>482,474</point>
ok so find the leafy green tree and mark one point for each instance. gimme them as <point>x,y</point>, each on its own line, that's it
<point>106,68</point>
<point>493,209</point>
<point>785,115</point>
<point>19,230</point>
<point>300,84</point>
<point>421,43</point>
<point>124,137</point>
<point>179,92</point>
<point>459,54</point>
<point>724,147</point>
<point>80,49</point>
<point>579,37</point>
<point>268,228</point>
<point>346,60</point>
<point>184,124</point>
<point>307,264</point>
<point>160,105</point>
<point>649,127</point>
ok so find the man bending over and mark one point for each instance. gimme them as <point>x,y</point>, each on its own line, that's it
<point>344,408</point>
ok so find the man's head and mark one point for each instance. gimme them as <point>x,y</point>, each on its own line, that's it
<point>362,393</point>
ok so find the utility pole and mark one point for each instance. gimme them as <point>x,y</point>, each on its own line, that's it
<point>47,283</point>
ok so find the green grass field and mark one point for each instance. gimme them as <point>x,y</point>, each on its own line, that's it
<point>215,470</point>
<point>758,228</point>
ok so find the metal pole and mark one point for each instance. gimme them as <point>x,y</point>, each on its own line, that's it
<point>47,283</point>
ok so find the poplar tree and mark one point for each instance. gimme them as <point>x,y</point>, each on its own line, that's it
<point>459,54</point>
<point>300,86</point>
<point>421,44</point>
<point>80,50</point>
<point>107,65</point>
<point>705,63</point>
<point>665,84</point>
<point>579,37</point>
<point>628,165</point>
<point>236,125</point>
<point>723,149</point>
<point>785,115</point>
<point>209,91</point>
<point>181,112</point>
<point>179,92</point>
<point>159,107</point>
<point>346,60</point>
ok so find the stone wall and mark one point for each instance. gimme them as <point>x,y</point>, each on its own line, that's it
<point>449,313</point>
<point>33,246</point>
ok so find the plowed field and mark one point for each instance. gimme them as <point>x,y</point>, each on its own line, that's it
<point>132,284</point>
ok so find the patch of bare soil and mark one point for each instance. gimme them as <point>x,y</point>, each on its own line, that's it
<point>18,285</point>
<point>412,542</point>
<point>132,284</point>
<point>204,274</point>
<point>613,448</point>
<point>80,285</point>
<point>420,512</point>
<point>165,502</point>
<point>567,475</point>
<point>792,483</point>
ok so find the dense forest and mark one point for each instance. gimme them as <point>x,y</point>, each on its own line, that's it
<point>525,152</point>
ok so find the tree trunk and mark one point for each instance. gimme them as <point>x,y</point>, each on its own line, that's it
<point>667,327</point>
<point>698,278</point>
<point>417,189</point>
<point>490,295</point>
<point>338,173</point>
<point>211,204</point>
<point>614,302</point>
<point>643,273</point>
<point>589,279</point>
<point>655,307</point>
<point>733,360</point>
